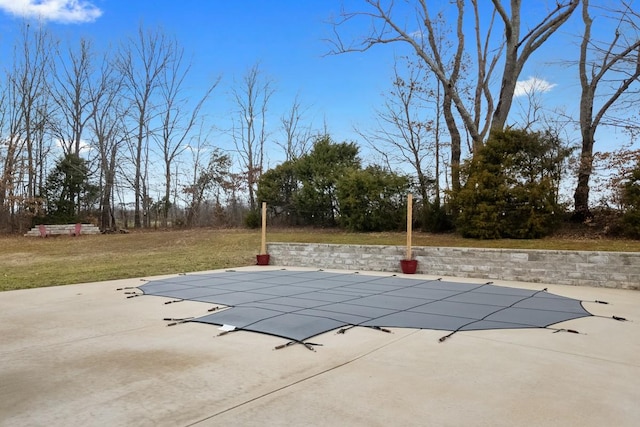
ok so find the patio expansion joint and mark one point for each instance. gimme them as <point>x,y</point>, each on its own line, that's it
<point>307,378</point>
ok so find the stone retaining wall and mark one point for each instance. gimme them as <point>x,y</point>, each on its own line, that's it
<point>600,269</point>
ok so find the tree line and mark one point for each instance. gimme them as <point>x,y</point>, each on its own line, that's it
<point>84,133</point>
<point>457,53</point>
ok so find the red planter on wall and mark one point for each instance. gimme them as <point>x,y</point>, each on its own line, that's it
<point>409,266</point>
<point>262,259</point>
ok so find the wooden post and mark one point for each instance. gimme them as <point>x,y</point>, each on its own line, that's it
<point>409,223</point>
<point>263,245</point>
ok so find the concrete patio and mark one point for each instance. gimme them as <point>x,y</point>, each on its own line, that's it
<point>85,355</point>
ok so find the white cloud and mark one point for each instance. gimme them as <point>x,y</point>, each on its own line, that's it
<point>65,11</point>
<point>85,147</point>
<point>418,35</point>
<point>533,85</point>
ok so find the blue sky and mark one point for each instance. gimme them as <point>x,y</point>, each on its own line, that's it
<point>226,38</point>
<point>287,37</point>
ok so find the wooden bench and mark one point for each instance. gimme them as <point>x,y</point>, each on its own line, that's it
<point>43,230</point>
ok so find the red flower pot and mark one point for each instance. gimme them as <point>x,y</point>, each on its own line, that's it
<point>262,259</point>
<point>409,266</point>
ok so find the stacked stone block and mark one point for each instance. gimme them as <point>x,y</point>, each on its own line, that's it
<point>578,268</point>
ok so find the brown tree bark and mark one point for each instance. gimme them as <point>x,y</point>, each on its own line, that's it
<point>603,72</point>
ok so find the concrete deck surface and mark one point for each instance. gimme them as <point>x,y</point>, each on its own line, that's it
<point>84,355</point>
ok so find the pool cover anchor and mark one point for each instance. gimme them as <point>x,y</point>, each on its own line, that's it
<point>444,338</point>
<point>129,293</point>
<point>571,331</point>
<point>345,329</point>
<point>308,345</point>
<point>381,329</point>
<point>614,317</point>
<point>177,321</point>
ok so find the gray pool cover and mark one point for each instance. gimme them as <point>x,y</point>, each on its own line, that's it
<point>298,305</point>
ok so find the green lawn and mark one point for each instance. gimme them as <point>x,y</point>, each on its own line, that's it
<point>28,262</point>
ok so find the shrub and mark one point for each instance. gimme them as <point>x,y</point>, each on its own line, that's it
<point>252,219</point>
<point>631,203</point>
<point>511,187</point>
<point>372,199</point>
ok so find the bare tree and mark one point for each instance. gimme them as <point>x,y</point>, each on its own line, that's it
<point>389,25</point>
<point>71,95</point>
<point>109,132</point>
<point>71,77</point>
<point>249,130</point>
<point>607,71</point>
<point>9,149</point>
<point>210,172</point>
<point>520,47</point>
<point>406,129</point>
<point>298,139</point>
<point>141,61</point>
<point>435,37</point>
<point>177,118</point>
<point>445,61</point>
<point>26,114</point>
<point>31,75</point>
<point>530,108</point>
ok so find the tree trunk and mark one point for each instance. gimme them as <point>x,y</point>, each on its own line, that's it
<point>167,194</point>
<point>581,195</point>
<point>621,56</point>
<point>456,141</point>
<point>106,217</point>
<point>137,183</point>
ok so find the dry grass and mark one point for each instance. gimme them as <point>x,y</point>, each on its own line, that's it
<point>27,262</point>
